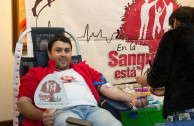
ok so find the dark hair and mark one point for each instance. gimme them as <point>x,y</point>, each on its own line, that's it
<point>58,38</point>
<point>182,14</point>
<point>192,19</point>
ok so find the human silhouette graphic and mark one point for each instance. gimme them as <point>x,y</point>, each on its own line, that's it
<point>169,9</point>
<point>36,4</point>
<point>144,16</point>
<point>157,20</point>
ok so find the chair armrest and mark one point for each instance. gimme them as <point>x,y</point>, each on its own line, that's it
<point>117,105</point>
<point>21,118</point>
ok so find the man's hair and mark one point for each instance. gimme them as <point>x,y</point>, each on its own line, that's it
<point>182,14</point>
<point>58,38</point>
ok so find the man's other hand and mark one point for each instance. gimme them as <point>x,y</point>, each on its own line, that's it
<point>48,117</point>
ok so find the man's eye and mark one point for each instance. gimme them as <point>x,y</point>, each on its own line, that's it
<point>67,50</point>
<point>58,50</point>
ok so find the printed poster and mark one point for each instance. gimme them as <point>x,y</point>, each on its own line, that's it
<point>116,37</point>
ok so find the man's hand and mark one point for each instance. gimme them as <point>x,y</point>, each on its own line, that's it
<point>48,117</point>
<point>141,102</point>
<point>157,91</point>
<point>142,80</point>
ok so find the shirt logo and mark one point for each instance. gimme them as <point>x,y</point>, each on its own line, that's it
<point>67,79</point>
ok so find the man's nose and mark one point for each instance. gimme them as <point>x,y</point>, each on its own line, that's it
<point>63,53</point>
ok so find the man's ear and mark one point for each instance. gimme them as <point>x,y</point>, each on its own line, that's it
<point>49,54</point>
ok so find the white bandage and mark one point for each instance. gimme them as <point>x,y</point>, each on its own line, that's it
<point>108,85</point>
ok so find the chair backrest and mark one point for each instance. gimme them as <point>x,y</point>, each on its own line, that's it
<point>40,38</point>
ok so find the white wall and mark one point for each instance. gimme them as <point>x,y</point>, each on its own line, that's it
<point>6,61</point>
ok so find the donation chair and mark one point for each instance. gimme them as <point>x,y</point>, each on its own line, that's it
<point>40,38</point>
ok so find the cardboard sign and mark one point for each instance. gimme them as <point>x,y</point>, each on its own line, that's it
<point>50,93</point>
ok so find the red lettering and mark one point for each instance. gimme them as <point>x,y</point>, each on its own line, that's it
<point>131,58</point>
<point>117,74</point>
<point>123,60</point>
<point>123,74</point>
<point>140,61</point>
<point>133,72</point>
<point>128,70</point>
<point>112,55</point>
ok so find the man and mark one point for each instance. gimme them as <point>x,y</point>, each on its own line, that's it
<point>173,69</point>
<point>82,95</point>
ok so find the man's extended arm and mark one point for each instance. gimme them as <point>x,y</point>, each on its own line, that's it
<point>117,94</point>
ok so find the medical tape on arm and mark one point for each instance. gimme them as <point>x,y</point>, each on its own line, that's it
<point>102,83</point>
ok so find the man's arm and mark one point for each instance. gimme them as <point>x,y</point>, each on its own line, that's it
<point>26,107</point>
<point>117,94</point>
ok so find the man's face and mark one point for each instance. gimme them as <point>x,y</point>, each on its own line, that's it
<point>61,52</point>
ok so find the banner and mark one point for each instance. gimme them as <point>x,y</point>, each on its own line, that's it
<point>117,37</point>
